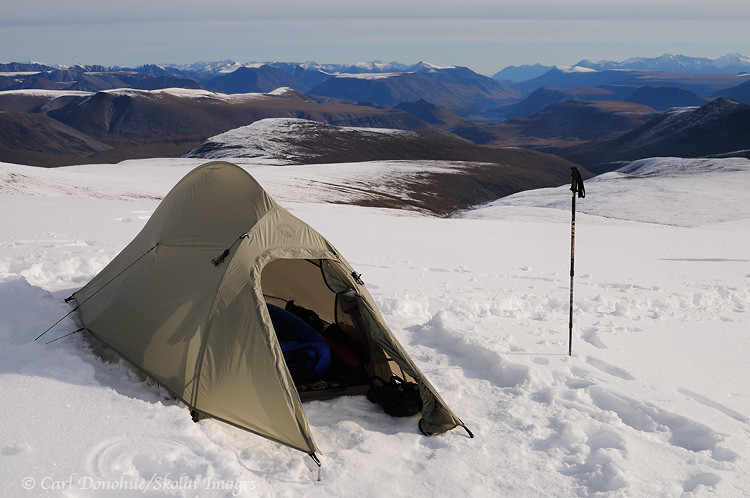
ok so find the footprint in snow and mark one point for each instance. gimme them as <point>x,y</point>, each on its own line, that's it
<point>595,459</point>
<point>580,379</point>
<point>609,369</point>
<point>679,431</point>
<point>715,405</point>
<point>706,479</point>
<point>476,359</point>
<point>591,335</point>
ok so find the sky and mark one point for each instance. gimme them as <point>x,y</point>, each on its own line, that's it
<point>484,35</point>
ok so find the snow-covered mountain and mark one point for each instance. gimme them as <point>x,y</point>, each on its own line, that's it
<point>209,69</point>
<point>653,402</point>
<point>727,64</point>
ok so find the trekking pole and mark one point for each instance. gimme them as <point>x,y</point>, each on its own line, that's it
<point>576,187</point>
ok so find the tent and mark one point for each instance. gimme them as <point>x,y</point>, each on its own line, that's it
<point>187,302</point>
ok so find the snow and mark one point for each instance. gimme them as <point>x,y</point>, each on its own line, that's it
<point>178,92</point>
<point>419,67</point>
<point>232,68</point>
<point>577,69</point>
<point>281,91</point>
<point>688,192</point>
<point>368,76</point>
<point>18,73</point>
<point>655,400</point>
<point>428,66</point>
<point>188,93</point>
<point>34,92</point>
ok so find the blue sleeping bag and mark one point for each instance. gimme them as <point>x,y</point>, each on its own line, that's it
<point>306,352</point>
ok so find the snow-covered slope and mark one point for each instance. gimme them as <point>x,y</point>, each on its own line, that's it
<point>655,400</point>
<point>664,190</point>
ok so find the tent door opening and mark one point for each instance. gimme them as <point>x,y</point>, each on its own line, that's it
<point>326,344</point>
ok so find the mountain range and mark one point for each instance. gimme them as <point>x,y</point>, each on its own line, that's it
<point>65,115</point>
<point>456,88</point>
<point>726,64</point>
<point>139,123</point>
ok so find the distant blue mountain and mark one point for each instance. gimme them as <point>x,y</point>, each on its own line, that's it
<point>740,93</point>
<point>521,73</point>
<point>727,64</point>
<point>458,89</point>
<point>578,76</point>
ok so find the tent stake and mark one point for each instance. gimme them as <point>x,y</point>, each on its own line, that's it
<point>316,460</point>
<point>576,187</point>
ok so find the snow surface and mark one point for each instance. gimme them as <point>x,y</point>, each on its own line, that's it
<point>18,73</point>
<point>655,400</point>
<point>237,65</point>
<point>189,93</point>
<point>368,76</point>
<point>577,69</point>
<point>282,90</point>
<point>36,92</point>
<point>185,93</point>
<point>688,193</point>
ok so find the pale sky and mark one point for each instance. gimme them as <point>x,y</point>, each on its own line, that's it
<point>483,35</point>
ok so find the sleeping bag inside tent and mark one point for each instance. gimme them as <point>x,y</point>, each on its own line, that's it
<point>243,311</point>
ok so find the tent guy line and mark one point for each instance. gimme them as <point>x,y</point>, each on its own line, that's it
<point>68,299</point>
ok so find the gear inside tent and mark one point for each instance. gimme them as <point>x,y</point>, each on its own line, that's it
<point>243,312</point>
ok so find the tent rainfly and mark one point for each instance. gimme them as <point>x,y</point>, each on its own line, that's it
<point>187,302</point>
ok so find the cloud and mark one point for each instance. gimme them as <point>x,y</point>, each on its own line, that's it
<point>46,12</point>
<point>483,35</point>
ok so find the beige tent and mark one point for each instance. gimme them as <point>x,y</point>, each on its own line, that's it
<point>186,302</point>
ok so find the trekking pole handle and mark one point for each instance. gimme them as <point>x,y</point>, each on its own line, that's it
<point>576,182</point>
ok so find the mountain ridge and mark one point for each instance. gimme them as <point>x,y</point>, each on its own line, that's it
<point>719,127</point>
<point>143,123</point>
